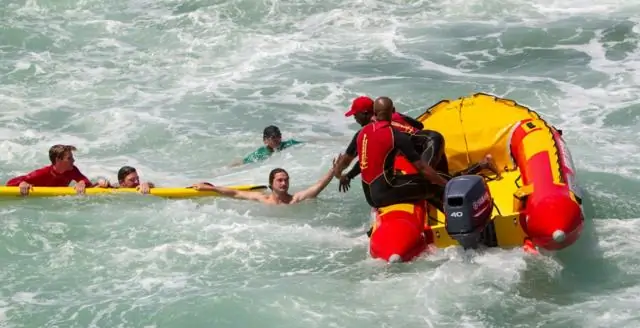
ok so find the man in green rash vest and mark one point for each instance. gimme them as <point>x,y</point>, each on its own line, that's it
<point>273,142</point>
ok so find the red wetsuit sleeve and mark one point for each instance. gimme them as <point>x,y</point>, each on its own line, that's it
<point>412,121</point>
<point>14,182</point>
<point>32,177</point>
<point>77,176</point>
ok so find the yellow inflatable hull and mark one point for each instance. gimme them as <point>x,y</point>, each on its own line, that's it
<point>506,226</point>
<point>535,197</point>
<point>473,127</point>
<point>178,192</point>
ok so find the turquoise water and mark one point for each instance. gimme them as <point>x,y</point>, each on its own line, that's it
<point>182,89</point>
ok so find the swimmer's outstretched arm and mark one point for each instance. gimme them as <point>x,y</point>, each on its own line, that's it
<point>343,161</point>
<point>236,163</point>
<point>318,187</point>
<point>238,194</point>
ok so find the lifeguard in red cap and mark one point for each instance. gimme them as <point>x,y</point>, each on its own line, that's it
<point>429,144</point>
<point>377,145</point>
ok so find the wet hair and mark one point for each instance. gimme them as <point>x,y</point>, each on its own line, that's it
<point>272,175</point>
<point>124,171</point>
<point>57,152</point>
<point>270,132</point>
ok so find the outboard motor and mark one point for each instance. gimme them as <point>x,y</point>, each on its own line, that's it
<point>468,207</point>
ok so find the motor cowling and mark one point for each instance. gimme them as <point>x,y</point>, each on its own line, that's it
<point>468,207</point>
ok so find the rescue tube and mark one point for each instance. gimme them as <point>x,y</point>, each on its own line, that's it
<point>551,214</point>
<point>178,192</point>
<point>535,204</point>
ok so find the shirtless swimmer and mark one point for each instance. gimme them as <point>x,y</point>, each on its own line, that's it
<point>279,185</point>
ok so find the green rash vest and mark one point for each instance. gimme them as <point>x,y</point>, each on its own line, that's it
<point>263,152</point>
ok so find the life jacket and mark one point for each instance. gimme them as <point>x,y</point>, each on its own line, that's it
<point>375,144</point>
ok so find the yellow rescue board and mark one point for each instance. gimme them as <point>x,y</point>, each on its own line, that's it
<point>177,192</point>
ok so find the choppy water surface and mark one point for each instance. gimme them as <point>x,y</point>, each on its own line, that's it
<point>182,89</point>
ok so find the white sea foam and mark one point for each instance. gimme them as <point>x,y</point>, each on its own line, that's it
<point>181,89</point>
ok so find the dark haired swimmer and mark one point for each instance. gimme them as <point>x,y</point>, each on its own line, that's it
<point>128,178</point>
<point>272,138</point>
<point>279,185</point>
<point>273,143</point>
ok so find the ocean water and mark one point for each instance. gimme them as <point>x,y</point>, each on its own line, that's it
<point>180,89</point>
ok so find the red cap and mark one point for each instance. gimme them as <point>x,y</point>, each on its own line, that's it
<point>361,104</point>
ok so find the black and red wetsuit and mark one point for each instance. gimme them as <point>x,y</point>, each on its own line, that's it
<point>48,177</point>
<point>430,144</point>
<point>406,124</point>
<point>378,143</point>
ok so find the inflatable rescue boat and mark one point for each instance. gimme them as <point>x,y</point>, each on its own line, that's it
<point>535,204</point>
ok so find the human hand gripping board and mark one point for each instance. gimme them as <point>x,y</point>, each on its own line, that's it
<point>165,192</point>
